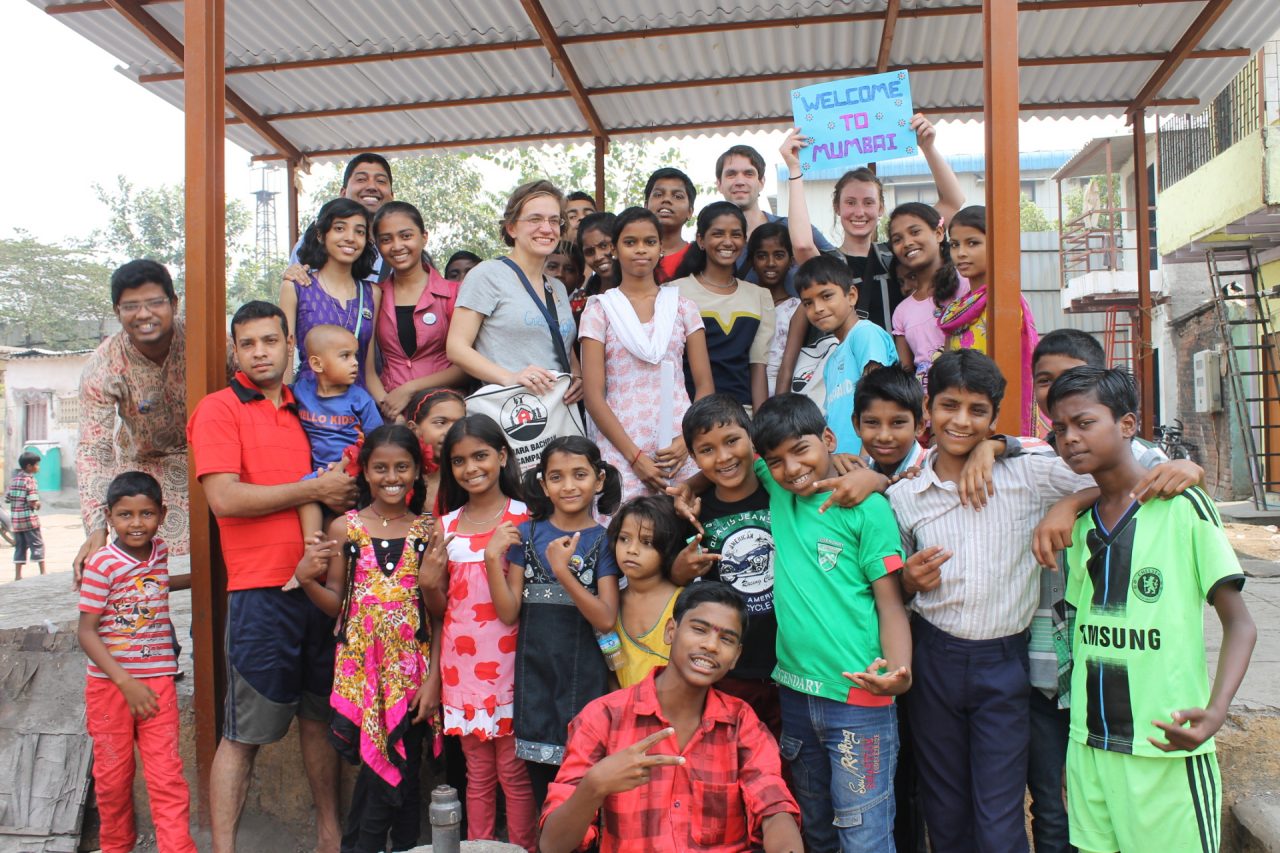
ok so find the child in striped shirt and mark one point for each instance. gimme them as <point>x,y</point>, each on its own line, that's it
<point>129,693</point>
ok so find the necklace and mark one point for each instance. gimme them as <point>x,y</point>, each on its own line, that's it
<point>466,512</point>
<point>733,282</point>
<point>385,520</point>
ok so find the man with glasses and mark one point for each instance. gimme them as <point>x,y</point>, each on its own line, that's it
<point>133,408</point>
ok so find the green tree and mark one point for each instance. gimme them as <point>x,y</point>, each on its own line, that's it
<point>54,297</point>
<point>1074,201</point>
<point>150,222</point>
<point>1031,216</point>
<point>449,189</point>
<point>249,282</point>
<point>627,167</point>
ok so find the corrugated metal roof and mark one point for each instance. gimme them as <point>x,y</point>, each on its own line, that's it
<point>644,58</point>
<point>1092,158</point>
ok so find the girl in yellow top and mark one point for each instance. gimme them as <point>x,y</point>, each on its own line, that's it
<point>645,536</point>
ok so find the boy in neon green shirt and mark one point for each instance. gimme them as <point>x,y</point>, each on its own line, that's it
<point>839,607</point>
<point>1141,767</point>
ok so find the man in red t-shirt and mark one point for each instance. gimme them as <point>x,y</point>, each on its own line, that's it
<point>250,455</point>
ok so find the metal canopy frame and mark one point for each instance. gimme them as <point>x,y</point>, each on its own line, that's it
<point>199,60</point>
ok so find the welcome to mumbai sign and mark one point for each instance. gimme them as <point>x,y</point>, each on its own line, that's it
<point>855,121</point>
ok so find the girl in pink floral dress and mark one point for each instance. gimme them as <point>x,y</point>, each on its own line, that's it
<point>386,680</point>
<point>479,490</point>
<point>634,340</point>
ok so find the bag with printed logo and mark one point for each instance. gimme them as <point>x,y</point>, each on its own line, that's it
<point>528,420</point>
<point>807,379</point>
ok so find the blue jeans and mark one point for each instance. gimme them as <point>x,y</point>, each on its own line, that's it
<point>1046,761</point>
<point>842,760</point>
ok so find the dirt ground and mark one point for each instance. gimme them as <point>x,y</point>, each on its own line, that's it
<point>1252,540</point>
<point>63,536</point>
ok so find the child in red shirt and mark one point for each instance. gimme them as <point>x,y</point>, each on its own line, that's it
<point>129,693</point>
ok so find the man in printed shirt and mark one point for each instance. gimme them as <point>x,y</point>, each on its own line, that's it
<point>626,784</point>
<point>137,375</point>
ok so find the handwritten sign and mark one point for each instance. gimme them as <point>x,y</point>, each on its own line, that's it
<point>855,121</point>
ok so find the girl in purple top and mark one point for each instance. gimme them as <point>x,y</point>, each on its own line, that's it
<point>337,248</point>
<point>417,305</point>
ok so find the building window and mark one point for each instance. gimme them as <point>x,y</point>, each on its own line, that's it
<point>35,420</point>
<point>924,193</point>
<point>1029,189</point>
<point>69,410</point>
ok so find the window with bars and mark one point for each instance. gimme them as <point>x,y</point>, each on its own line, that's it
<point>35,420</point>
<point>1188,141</point>
<point>69,410</point>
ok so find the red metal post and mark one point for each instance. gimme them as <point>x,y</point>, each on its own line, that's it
<point>1146,366</point>
<point>205,104</point>
<point>602,148</point>
<point>291,178</point>
<point>1004,250</point>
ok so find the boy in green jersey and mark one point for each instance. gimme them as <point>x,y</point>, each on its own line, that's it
<point>839,608</point>
<point>1050,647</point>
<point>1141,769</point>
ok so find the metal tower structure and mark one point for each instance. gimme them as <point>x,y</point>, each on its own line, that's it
<point>266,247</point>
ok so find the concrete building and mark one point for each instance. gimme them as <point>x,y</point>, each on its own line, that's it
<point>42,405</point>
<point>1214,181</point>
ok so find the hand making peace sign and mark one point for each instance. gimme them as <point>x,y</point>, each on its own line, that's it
<point>629,768</point>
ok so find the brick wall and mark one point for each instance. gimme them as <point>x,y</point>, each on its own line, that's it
<point>1214,434</point>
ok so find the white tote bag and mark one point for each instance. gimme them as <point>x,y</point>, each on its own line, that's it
<point>807,379</point>
<point>529,420</point>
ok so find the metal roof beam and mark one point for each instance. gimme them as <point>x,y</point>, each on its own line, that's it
<point>93,6</point>
<point>657,32</point>
<point>782,76</point>
<point>886,35</point>
<point>551,40</point>
<point>1199,28</point>
<point>141,19</point>
<point>329,61</point>
<point>746,123</point>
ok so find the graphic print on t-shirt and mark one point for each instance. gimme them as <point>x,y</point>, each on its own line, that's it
<point>746,556</point>
<point>746,564</point>
<point>740,531</point>
<point>1138,640</point>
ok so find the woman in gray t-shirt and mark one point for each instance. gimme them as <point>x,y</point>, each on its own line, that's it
<point>497,334</point>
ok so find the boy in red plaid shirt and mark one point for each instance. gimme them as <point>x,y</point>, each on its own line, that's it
<point>24,508</point>
<point>628,785</point>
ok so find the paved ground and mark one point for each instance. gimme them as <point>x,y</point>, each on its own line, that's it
<point>1251,733</point>
<point>36,600</point>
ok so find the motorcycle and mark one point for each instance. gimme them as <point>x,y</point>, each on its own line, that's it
<point>6,528</point>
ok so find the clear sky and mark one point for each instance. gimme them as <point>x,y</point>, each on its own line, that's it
<point>75,121</point>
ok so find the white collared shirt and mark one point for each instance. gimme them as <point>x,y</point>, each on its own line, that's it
<point>991,583</point>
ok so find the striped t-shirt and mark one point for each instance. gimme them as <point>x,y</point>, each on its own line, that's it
<point>131,598</point>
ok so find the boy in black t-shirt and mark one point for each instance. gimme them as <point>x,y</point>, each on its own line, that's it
<point>736,545</point>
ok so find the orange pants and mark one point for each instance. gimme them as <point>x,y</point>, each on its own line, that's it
<point>114,732</point>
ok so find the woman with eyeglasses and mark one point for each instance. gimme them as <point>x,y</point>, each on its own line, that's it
<point>513,324</point>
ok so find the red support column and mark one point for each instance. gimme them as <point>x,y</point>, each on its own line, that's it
<point>1004,249</point>
<point>1146,367</point>
<point>291,179</point>
<point>205,104</point>
<point>602,148</point>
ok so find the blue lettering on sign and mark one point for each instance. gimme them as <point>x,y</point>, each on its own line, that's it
<point>852,95</point>
<point>855,121</point>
